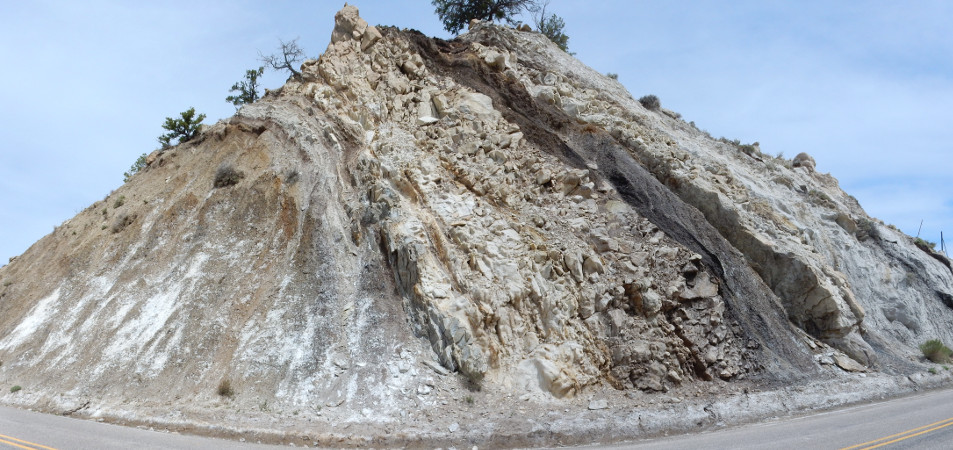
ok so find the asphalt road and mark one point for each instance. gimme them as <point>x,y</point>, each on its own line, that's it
<point>21,429</point>
<point>922,421</point>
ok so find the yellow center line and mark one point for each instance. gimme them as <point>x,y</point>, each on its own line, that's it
<point>908,437</point>
<point>4,439</point>
<point>945,422</point>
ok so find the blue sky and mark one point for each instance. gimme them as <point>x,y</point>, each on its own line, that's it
<point>864,87</point>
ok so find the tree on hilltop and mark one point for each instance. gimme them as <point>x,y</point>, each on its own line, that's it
<point>247,89</point>
<point>456,14</point>
<point>290,54</point>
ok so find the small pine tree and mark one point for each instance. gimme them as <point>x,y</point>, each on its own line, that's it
<point>136,167</point>
<point>247,89</point>
<point>182,129</point>
<point>551,26</point>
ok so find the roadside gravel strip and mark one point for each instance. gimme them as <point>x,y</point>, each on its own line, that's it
<point>668,415</point>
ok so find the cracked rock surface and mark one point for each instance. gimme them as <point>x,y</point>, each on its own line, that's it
<point>465,241</point>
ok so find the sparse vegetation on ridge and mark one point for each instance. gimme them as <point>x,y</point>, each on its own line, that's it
<point>924,244</point>
<point>650,102</point>
<point>820,198</point>
<point>136,167</point>
<point>750,149</point>
<point>866,229</point>
<point>122,221</point>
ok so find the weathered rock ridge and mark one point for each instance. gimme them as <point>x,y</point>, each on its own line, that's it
<point>409,208</point>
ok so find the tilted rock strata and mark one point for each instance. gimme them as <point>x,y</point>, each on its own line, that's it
<point>514,265</point>
<point>810,252</point>
<point>409,207</point>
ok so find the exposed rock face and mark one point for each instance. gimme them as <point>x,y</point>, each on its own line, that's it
<point>411,207</point>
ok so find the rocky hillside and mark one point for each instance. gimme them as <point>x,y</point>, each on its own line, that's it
<point>418,233</point>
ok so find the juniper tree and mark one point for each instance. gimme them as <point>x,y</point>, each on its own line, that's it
<point>183,129</point>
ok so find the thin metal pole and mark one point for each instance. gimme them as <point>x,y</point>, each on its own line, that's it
<point>921,228</point>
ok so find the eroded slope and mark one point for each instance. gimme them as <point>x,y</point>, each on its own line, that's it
<point>416,220</point>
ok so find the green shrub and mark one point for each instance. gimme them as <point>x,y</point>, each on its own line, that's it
<point>866,229</point>
<point>227,176</point>
<point>614,76</point>
<point>225,388</point>
<point>15,388</point>
<point>935,351</point>
<point>933,370</point>
<point>291,177</point>
<point>136,167</point>
<point>119,201</point>
<point>122,221</point>
<point>925,244</point>
<point>749,149</point>
<point>821,199</point>
<point>650,102</point>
